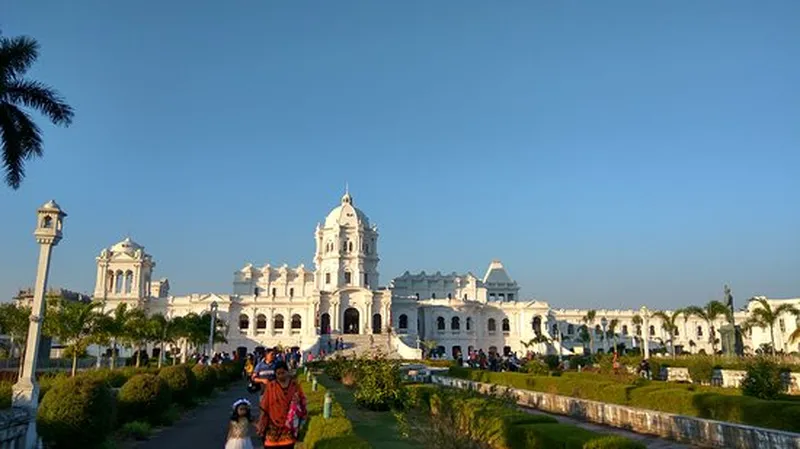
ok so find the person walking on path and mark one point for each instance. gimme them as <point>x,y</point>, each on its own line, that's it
<point>283,410</point>
<point>239,426</point>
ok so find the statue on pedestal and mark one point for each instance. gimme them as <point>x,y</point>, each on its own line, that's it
<point>730,334</point>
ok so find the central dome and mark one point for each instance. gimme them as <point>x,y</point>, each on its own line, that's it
<point>346,214</point>
<point>127,246</point>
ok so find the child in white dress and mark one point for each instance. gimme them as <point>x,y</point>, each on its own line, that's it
<point>239,426</point>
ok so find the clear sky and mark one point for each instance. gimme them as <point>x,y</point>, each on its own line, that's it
<point>610,153</point>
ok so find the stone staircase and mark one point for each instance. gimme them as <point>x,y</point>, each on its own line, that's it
<point>360,344</point>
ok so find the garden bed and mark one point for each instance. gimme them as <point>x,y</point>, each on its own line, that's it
<point>684,399</point>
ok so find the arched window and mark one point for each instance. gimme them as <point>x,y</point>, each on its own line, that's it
<point>244,322</point>
<point>440,323</point>
<point>417,295</point>
<point>277,322</point>
<point>465,296</point>
<point>570,329</point>
<point>297,322</point>
<point>699,331</point>
<point>491,325</point>
<point>347,277</point>
<point>402,322</point>
<point>449,296</point>
<point>433,295</point>
<point>119,280</point>
<point>47,222</point>
<point>256,291</point>
<point>652,331</point>
<point>469,323</point>
<point>455,323</point>
<point>261,322</point>
<point>639,330</point>
<point>327,278</point>
<point>274,292</point>
<point>625,329</point>
<point>676,331</point>
<point>128,281</point>
<point>291,292</point>
<point>506,325</point>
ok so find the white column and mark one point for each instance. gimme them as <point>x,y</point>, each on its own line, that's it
<point>646,337</point>
<point>251,330</point>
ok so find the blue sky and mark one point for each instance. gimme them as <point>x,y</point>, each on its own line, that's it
<point>611,154</point>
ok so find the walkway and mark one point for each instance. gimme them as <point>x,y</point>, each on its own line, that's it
<point>204,427</point>
<point>652,442</point>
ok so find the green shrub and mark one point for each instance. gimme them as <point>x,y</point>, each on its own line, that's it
<point>546,436</point>
<point>181,381</point>
<point>207,378</point>
<point>380,385</point>
<point>77,413</point>
<point>5,394</point>
<point>701,368</point>
<point>763,380</point>
<point>114,378</point>
<point>144,397</point>
<point>613,442</point>
<point>138,430</point>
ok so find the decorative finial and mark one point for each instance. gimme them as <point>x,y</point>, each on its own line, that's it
<point>346,188</point>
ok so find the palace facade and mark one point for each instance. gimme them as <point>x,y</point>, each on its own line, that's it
<point>342,295</point>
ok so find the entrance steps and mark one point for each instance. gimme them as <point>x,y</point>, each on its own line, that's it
<point>360,344</point>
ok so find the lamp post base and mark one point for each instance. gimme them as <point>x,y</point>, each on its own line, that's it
<point>25,394</point>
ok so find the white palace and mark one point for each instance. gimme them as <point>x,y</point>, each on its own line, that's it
<point>342,296</point>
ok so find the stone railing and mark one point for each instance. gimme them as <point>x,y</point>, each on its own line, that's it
<point>13,427</point>
<point>675,374</point>
<point>698,431</point>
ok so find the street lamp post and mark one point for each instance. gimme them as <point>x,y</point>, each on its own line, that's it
<point>214,307</point>
<point>50,221</point>
<point>645,314</point>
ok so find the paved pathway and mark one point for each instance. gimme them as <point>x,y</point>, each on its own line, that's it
<point>204,427</point>
<point>652,442</point>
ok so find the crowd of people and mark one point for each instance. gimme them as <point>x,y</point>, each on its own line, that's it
<point>282,403</point>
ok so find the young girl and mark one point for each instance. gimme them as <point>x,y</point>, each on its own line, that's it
<point>239,427</point>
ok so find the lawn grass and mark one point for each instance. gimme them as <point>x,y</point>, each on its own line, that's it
<point>380,429</point>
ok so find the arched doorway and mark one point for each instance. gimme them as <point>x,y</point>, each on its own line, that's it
<point>325,324</point>
<point>376,323</point>
<point>351,321</point>
<point>537,325</point>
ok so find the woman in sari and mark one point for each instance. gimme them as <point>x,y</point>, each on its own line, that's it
<point>283,410</point>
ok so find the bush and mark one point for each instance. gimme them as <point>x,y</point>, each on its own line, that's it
<point>77,413</point>
<point>332,433</point>
<point>144,397</point>
<point>380,386</point>
<point>114,378</point>
<point>207,378</point>
<point>137,430</point>
<point>181,381</point>
<point>763,380</point>
<point>613,442</point>
<point>5,394</point>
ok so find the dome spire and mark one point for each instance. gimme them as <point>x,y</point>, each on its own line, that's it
<point>347,199</point>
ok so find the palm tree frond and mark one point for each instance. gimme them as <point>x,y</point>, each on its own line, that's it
<point>21,140</point>
<point>17,54</point>
<point>40,97</point>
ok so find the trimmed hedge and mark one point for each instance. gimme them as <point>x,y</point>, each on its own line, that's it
<point>722,404</point>
<point>500,424</point>
<point>181,381</point>
<point>77,413</point>
<point>334,432</point>
<point>207,378</point>
<point>144,397</point>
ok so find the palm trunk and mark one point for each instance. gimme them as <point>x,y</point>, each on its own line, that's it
<point>74,362</point>
<point>772,337</point>
<point>138,356</point>
<point>99,352</point>
<point>21,361</point>
<point>113,353</point>
<point>160,354</point>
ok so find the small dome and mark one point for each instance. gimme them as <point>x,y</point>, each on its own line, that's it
<point>126,246</point>
<point>346,215</point>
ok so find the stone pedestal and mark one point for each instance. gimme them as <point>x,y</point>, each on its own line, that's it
<point>731,339</point>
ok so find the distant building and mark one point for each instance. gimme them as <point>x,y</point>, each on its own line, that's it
<point>342,296</point>
<point>48,346</point>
